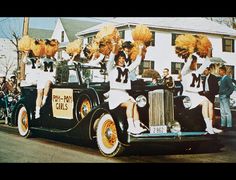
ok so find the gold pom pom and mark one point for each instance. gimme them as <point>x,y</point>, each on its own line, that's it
<point>93,48</point>
<point>203,45</point>
<point>135,50</point>
<point>107,33</point>
<point>142,33</point>
<point>51,47</point>
<point>185,45</point>
<point>106,48</point>
<point>24,43</point>
<point>74,47</point>
<point>38,47</point>
<point>105,37</point>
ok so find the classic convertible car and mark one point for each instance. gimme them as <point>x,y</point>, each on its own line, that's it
<point>77,107</point>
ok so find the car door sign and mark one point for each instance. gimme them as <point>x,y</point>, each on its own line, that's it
<point>62,103</point>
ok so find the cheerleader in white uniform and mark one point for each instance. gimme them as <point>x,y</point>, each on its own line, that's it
<point>45,79</point>
<point>192,85</point>
<point>119,83</point>
<point>31,70</point>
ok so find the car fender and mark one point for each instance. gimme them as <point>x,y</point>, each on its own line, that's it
<point>93,94</point>
<point>119,117</point>
<point>15,110</point>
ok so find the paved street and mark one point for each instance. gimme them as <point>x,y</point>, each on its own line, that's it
<point>40,149</point>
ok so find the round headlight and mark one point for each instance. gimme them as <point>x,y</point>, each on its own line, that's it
<point>187,102</point>
<point>141,101</point>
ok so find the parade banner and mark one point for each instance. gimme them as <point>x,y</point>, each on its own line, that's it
<point>62,103</point>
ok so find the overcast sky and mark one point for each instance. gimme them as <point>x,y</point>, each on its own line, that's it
<point>10,24</point>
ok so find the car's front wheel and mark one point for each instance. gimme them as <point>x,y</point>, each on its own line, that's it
<point>23,122</point>
<point>107,139</point>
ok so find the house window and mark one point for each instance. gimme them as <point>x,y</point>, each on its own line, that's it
<point>176,67</point>
<point>122,34</point>
<point>173,38</point>
<point>147,64</point>
<point>90,39</point>
<point>152,43</point>
<point>62,36</point>
<point>228,45</point>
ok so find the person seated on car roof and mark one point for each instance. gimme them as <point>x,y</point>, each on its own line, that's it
<point>192,85</point>
<point>119,83</point>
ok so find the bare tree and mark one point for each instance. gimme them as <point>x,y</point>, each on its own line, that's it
<point>228,21</point>
<point>12,30</point>
<point>7,64</point>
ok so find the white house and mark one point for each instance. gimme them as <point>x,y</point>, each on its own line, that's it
<point>65,31</point>
<point>161,53</point>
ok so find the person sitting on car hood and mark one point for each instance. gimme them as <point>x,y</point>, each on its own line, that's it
<point>120,82</point>
<point>192,85</point>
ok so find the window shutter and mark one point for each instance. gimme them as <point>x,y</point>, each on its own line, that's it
<point>232,45</point>
<point>223,44</point>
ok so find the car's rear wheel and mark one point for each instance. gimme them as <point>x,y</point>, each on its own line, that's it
<point>23,122</point>
<point>107,139</point>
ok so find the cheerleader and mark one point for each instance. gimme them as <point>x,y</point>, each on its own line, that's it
<point>45,79</point>
<point>127,46</point>
<point>120,82</point>
<point>31,70</point>
<point>192,85</point>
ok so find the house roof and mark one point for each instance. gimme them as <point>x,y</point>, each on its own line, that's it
<point>40,33</point>
<point>73,26</point>
<point>191,24</point>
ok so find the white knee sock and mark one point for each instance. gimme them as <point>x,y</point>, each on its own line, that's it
<point>37,112</point>
<point>44,100</point>
<point>209,127</point>
<point>130,123</point>
<point>37,108</point>
<point>137,123</point>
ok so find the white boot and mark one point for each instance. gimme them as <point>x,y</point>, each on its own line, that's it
<point>44,100</point>
<point>131,129</point>
<point>215,130</point>
<point>209,127</point>
<point>138,127</point>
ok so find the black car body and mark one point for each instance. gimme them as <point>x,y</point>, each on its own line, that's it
<point>88,118</point>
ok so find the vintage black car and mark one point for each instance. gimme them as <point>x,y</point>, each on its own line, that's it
<point>77,108</point>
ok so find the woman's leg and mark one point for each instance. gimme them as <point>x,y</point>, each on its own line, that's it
<point>129,113</point>
<point>137,123</point>
<point>38,102</point>
<point>205,109</point>
<point>129,108</point>
<point>46,90</point>
<point>135,113</point>
<point>210,110</point>
<point>205,113</point>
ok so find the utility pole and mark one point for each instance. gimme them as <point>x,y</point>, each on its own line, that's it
<point>25,32</point>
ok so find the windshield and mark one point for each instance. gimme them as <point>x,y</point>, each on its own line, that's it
<point>93,74</point>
